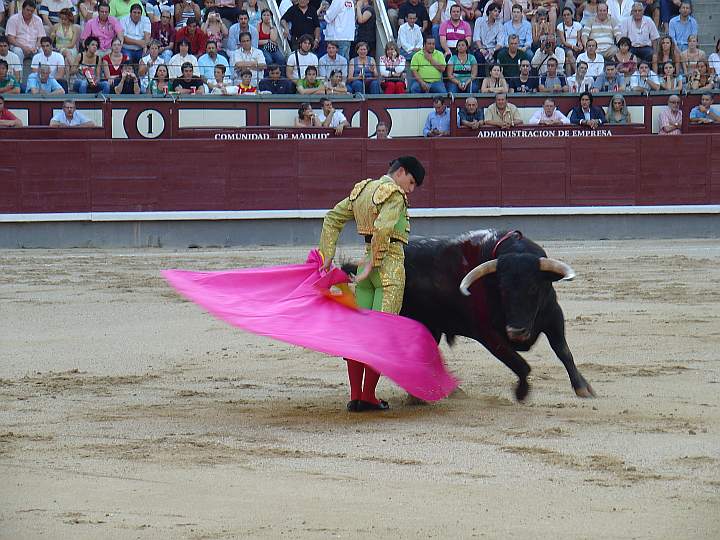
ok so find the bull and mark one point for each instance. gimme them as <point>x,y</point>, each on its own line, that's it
<point>494,287</point>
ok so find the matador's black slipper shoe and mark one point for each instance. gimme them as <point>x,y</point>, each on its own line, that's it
<point>367,406</point>
<point>352,405</point>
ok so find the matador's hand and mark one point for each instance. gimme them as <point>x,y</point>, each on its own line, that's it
<point>367,267</point>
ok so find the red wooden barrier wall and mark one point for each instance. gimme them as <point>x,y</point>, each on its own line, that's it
<point>166,175</point>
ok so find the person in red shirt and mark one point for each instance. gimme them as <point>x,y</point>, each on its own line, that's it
<point>8,119</point>
<point>196,37</point>
<point>245,86</point>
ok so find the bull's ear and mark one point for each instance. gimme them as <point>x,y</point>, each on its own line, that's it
<point>556,270</point>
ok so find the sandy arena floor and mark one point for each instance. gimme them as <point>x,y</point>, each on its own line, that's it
<point>126,412</point>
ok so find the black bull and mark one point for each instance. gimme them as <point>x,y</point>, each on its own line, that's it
<point>509,299</point>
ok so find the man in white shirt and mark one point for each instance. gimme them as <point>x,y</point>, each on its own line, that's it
<point>136,31</point>
<point>13,60</point>
<point>330,118</point>
<point>340,19</point>
<point>549,115</point>
<point>641,31</point>
<point>410,38</point>
<point>595,61</point>
<point>248,57</point>
<point>299,60</point>
<point>47,57</point>
<point>176,62</point>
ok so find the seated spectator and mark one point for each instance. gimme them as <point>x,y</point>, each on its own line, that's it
<point>489,35</point>
<point>604,32</point>
<point>306,117</point>
<point>88,71</point>
<point>714,59</point>
<point>462,71</point>
<point>211,58</point>
<point>502,114</point>
<point>121,8</point>
<point>8,83</point>
<point>148,65</point>
<point>43,83</point>
<point>160,83</point>
<point>610,80</point>
<point>520,27</point>
<point>113,61</point>
<point>641,31</point>
<point>104,27</point>
<point>410,37</point>
<point>392,70</point>
<point>570,37</point>
<point>665,51</point>
<point>581,81</point>
<point>243,25</point>
<point>335,84</point>
<point>437,123</point>
<point>274,83</point>
<point>136,33</point>
<point>227,9</point>
<point>671,117</point>
<point>70,117</point>
<point>128,83</point>
<point>332,61</point>
<point>692,55</point>
<point>540,27</point>
<point>248,57</point>
<point>215,30</point>
<point>524,83</point>
<point>421,14</point>
<point>49,12</point>
<point>670,82</point>
<point>381,131</point>
<point>184,11</point>
<point>221,83</point>
<point>549,115</point>
<point>362,72</point>
<point>366,22</point>
<point>246,83</point>
<point>330,118</point>
<point>48,57</point>
<point>14,64</point>
<point>428,66</point>
<point>644,79</point>
<point>683,26</point>
<point>454,30</point>
<point>7,119</point>
<point>495,83</point>
<point>551,7</point>
<point>553,81</point>
<point>625,60</point>
<point>617,111</point>
<point>509,57</point>
<point>547,50</point>
<point>163,32</point>
<point>586,114</point>
<point>184,56</point>
<point>194,36</point>
<point>188,83</point>
<point>704,113</point>
<point>439,12</point>
<point>66,35</point>
<point>24,31</point>
<point>471,116</point>
<point>269,40</point>
<point>595,61</point>
<point>588,11</point>
<point>301,58</point>
<point>310,84</point>
<point>701,78</point>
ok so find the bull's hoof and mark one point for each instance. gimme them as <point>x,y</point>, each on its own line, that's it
<point>413,401</point>
<point>585,392</point>
<point>458,393</point>
<point>522,389</point>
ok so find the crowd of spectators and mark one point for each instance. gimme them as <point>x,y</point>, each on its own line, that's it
<point>459,46</point>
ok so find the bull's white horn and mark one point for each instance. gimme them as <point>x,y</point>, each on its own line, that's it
<point>476,273</point>
<point>557,267</point>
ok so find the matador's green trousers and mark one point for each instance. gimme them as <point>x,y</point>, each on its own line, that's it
<point>383,289</point>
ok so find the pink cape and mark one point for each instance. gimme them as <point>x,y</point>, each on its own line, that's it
<point>290,303</point>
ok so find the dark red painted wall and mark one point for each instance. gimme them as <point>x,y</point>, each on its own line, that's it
<point>163,175</point>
